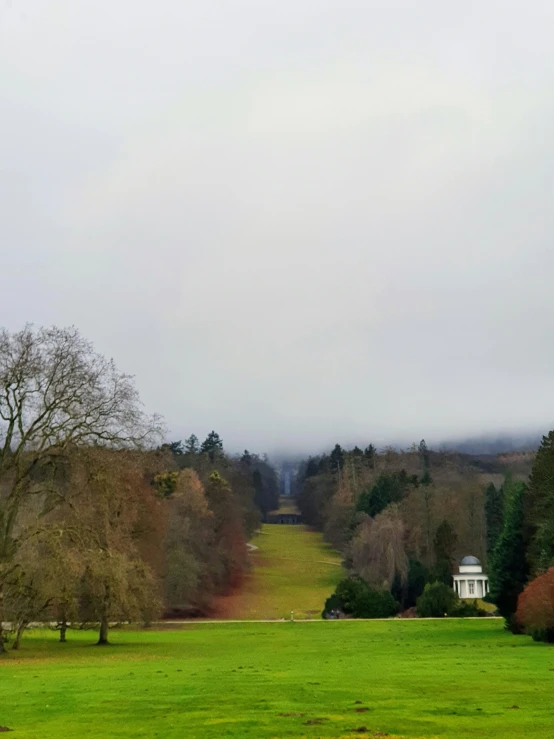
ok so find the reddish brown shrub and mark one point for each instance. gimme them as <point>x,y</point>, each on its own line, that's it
<point>535,607</point>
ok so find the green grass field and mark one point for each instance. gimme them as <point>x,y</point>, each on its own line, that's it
<point>293,570</point>
<point>287,505</point>
<point>450,679</point>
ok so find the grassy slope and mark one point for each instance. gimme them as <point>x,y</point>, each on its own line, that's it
<point>293,570</point>
<point>287,505</point>
<point>451,679</point>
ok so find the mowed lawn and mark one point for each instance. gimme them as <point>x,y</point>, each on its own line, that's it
<point>451,679</point>
<point>292,570</point>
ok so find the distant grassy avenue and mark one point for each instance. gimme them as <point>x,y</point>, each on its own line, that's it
<point>293,570</point>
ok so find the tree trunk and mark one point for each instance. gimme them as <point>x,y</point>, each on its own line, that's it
<point>104,623</point>
<point>19,633</point>
<point>2,646</point>
<point>63,631</point>
<point>103,635</point>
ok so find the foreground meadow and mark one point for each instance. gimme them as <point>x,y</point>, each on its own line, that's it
<point>451,679</point>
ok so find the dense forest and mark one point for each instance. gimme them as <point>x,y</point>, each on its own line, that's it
<point>403,520</point>
<point>100,521</point>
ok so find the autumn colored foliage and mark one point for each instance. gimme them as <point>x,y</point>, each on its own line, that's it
<point>99,522</point>
<point>535,607</point>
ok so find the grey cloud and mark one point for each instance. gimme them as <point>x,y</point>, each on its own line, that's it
<point>295,222</point>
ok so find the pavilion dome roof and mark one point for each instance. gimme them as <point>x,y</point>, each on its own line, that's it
<point>469,560</point>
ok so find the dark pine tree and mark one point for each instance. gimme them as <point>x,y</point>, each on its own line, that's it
<point>539,508</point>
<point>508,569</point>
<point>212,445</point>
<point>312,468</point>
<point>369,453</point>
<point>494,515</point>
<point>444,545</point>
<point>337,458</point>
<point>259,493</point>
<point>192,445</point>
<point>425,459</point>
<point>389,488</point>
<point>174,447</point>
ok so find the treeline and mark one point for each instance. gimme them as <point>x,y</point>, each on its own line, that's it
<point>430,504</point>
<point>403,520</point>
<point>99,521</point>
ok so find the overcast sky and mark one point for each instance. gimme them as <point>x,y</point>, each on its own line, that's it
<point>295,221</point>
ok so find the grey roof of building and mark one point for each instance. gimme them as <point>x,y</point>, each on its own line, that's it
<point>470,561</point>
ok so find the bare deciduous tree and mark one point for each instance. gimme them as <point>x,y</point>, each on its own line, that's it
<point>378,553</point>
<point>56,393</point>
<point>186,538</point>
<point>117,583</point>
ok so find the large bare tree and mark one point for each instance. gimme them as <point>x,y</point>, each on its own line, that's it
<point>56,393</point>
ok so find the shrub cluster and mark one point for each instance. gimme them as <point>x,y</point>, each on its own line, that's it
<point>439,600</point>
<point>354,597</point>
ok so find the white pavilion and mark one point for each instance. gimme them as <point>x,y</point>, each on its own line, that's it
<point>471,582</point>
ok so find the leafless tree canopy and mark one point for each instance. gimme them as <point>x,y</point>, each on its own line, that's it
<point>55,390</point>
<point>56,393</point>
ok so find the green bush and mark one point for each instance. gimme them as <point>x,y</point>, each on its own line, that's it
<point>348,592</point>
<point>375,604</point>
<point>437,600</point>
<point>355,598</point>
<point>466,609</point>
<point>333,603</point>
<point>407,593</point>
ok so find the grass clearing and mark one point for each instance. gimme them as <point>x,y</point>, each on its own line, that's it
<point>293,570</point>
<point>287,505</point>
<point>452,679</point>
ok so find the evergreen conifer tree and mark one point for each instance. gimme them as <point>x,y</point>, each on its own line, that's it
<point>444,544</point>
<point>212,445</point>
<point>369,453</point>
<point>259,497</point>
<point>508,567</point>
<point>539,508</point>
<point>337,458</point>
<point>424,456</point>
<point>494,515</point>
<point>192,445</point>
